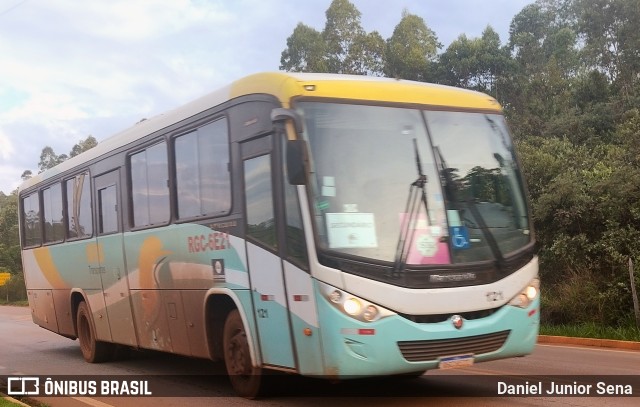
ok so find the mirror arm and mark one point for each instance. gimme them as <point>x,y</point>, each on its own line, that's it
<point>280,114</point>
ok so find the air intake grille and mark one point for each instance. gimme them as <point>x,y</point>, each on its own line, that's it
<point>422,351</point>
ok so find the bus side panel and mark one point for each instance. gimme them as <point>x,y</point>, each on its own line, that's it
<point>176,322</point>
<point>151,320</point>
<point>62,305</point>
<point>59,268</point>
<point>193,302</point>
<point>304,320</point>
<point>147,254</point>
<point>169,271</point>
<point>43,310</point>
<point>95,299</point>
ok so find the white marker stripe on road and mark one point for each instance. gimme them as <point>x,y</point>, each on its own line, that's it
<point>91,402</point>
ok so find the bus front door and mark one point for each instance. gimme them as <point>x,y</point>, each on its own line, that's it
<point>115,286</point>
<point>265,266</point>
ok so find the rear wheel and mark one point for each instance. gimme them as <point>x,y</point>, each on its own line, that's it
<point>93,351</point>
<point>246,379</point>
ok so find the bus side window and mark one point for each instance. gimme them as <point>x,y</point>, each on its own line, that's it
<point>261,224</point>
<point>79,211</point>
<point>53,220</point>
<point>108,208</point>
<point>32,229</point>
<point>202,176</point>
<point>296,247</point>
<point>149,185</point>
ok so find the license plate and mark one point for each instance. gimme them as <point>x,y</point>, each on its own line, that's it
<point>455,362</point>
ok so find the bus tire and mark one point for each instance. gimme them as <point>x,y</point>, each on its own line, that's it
<point>93,351</point>
<point>245,378</point>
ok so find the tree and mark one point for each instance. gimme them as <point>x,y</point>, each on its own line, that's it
<point>366,55</point>
<point>305,51</point>
<point>341,31</point>
<point>538,87</point>
<point>49,159</point>
<point>474,63</point>
<point>609,29</point>
<point>9,243</point>
<point>410,48</point>
<point>342,47</point>
<point>83,145</point>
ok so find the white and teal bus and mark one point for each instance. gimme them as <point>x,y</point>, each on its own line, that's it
<point>324,225</point>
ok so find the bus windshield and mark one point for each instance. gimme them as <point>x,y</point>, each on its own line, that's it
<point>366,159</point>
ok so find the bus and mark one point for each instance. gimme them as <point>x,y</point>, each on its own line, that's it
<point>317,224</point>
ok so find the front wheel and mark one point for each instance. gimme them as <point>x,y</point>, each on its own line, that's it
<point>93,351</point>
<point>246,379</point>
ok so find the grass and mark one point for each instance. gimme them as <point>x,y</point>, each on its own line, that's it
<point>22,303</point>
<point>7,403</point>
<point>4,402</point>
<point>591,330</point>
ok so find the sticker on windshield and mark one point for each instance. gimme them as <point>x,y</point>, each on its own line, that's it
<point>426,247</point>
<point>459,237</point>
<point>351,230</point>
<point>328,186</point>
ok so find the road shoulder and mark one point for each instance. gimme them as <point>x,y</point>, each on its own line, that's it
<point>592,342</point>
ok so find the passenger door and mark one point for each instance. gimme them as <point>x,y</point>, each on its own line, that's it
<point>266,273</point>
<point>109,240</point>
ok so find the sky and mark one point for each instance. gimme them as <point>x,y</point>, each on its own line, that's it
<point>70,69</point>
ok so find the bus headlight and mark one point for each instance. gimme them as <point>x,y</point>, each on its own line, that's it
<point>370,313</point>
<point>527,295</point>
<point>353,306</point>
<point>335,297</point>
<point>531,292</point>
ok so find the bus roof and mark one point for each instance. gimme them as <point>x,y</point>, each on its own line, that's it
<point>285,86</point>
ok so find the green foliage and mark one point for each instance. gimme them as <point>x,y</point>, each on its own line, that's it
<point>305,51</point>
<point>9,246</point>
<point>475,63</point>
<point>612,39</point>
<point>342,47</point>
<point>83,145</point>
<point>14,290</point>
<point>49,159</point>
<point>592,330</point>
<point>410,48</point>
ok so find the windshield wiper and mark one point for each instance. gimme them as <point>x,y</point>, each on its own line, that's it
<point>493,244</point>
<point>417,196</point>
<point>453,194</point>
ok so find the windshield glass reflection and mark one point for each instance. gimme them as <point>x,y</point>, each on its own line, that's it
<point>363,163</point>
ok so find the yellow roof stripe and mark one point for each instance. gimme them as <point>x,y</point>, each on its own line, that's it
<point>286,86</point>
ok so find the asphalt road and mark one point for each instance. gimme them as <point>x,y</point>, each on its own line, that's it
<point>26,349</point>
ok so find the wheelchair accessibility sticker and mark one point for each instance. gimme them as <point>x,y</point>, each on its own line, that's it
<point>459,237</point>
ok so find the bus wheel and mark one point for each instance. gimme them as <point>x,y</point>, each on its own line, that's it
<point>93,351</point>
<point>245,378</point>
